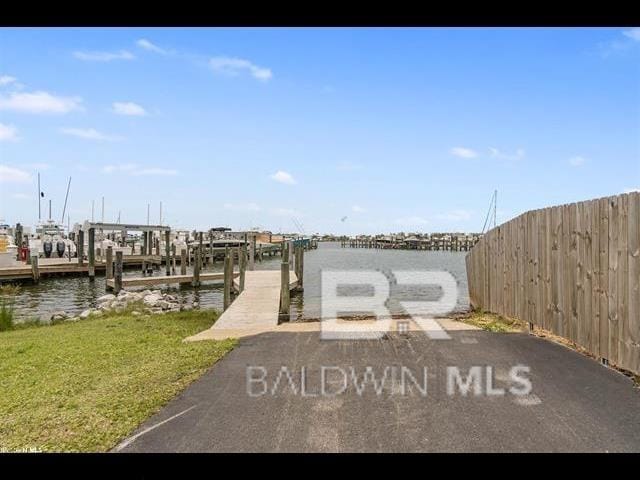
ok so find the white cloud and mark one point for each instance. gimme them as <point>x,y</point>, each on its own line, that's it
<point>412,221</point>
<point>358,209</point>
<point>155,171</point>
<point>234,66</point>
<point>463,152</point>
<point>13,175</point>
<point>348,166</point>
<point>39,102</point>
<point>103,56</point>
<point>8,133</point>
<point>129,108</point>
<point>455,215</point>
<point>577,161</point>
<point>147,45</point>
<point>283,177</point>
<point>633,34</point>
<point>6,80</point>
<point>90,134</point>
<point>630,40</point>
<point>126,167</point>
<point>495,153</point>
<point>248,207</point>
<point>631,190</point>
<point>20,196</point>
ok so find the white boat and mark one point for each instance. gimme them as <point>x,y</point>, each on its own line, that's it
<point>50,241</point>
<point>8,248</point>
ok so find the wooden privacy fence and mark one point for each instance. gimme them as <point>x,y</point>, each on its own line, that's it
<point>571,269</point>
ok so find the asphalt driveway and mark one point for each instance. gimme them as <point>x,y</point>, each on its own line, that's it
<point>260,399</point>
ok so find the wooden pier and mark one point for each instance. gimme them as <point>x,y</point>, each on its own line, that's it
<point>263,300</point>
<point>256,309</point>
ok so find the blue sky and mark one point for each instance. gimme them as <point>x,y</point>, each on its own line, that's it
<point>396,129</point>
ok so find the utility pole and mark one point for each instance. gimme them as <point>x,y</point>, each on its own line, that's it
<point>148,210</point>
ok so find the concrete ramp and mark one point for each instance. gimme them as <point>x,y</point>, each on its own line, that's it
<point>255,310</point>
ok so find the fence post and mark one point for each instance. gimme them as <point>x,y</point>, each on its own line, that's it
<point>117,281</point>
<point>183,261</point>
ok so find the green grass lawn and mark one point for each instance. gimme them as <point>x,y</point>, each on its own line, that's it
<point>84,386</point>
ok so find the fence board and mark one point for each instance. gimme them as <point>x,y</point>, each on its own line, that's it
<point>572,269</point>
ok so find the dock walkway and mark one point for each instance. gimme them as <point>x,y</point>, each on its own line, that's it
<point>255,309</point>
<point>164,280</point>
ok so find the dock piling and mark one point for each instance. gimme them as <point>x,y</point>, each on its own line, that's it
<point>35,272</point>
<point>117,283</point>
<point>80,247</point>
<point>196,268</point>
<point>285,298</point>
<point>173,255</point>
<point>252,253</point>
<point>92,254</point>
<point>167,251</point>
<point>300,269</point>
<point>109,265</point>
<point>183,261</point>
<point>243,266</point>
<point>228,278</point>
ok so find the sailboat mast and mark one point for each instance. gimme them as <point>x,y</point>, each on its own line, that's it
<point>39,194</point>
<point>64,209</point>
<point>495,207</point>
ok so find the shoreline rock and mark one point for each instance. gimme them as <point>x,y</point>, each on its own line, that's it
<point>148,301</point>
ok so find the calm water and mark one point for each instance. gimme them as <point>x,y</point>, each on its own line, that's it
<point>74,294</point>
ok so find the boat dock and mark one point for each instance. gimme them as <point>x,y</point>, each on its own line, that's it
<point>454,242</point>
<point>62,266</point>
